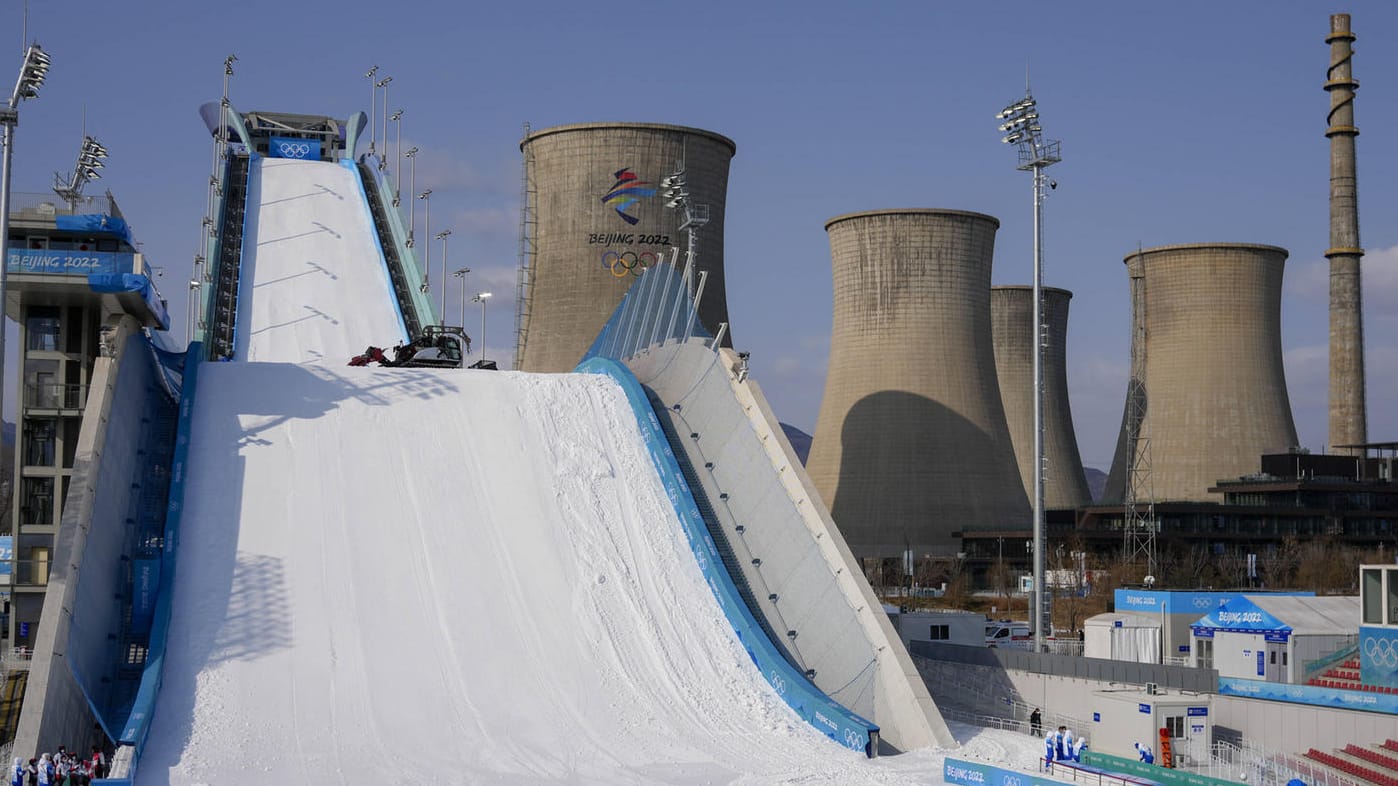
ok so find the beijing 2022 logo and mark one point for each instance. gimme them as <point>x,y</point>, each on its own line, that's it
<point>625,192</point>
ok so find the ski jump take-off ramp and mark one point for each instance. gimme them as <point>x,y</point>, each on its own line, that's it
<point>441,576</point>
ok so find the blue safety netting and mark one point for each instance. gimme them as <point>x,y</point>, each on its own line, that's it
<point>97,223</point>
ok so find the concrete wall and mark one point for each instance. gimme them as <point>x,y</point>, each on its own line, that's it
<point>574,281</point>
<point>1279,727</point>
<point>79,608</point>
<point>912,445</point>
<point>1012,326</point>
<point>807,580</point>
<point>1215,387</point>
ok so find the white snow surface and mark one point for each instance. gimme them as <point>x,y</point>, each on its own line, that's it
<point>449,576</point>
<point>314,287</point>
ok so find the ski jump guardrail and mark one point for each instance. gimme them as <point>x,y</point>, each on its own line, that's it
<point>817,709</point>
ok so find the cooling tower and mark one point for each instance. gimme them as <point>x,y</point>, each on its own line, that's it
<point>911,444</point>
<point>1207,338</point>
<point>597,218</point>
<point>1348,417</point>
<point>1012,326</point>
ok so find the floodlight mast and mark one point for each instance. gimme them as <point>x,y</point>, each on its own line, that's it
<point>1022,129</point>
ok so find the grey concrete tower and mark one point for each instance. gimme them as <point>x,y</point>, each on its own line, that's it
<point>597,220</point>
<point>1012,326</point>
<point>911,444</point>
<point>1214,388</point>
<point>1348,417</point>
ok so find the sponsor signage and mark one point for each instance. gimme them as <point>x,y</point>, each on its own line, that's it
<point>1143,708</point>
<point>288,147</point>
<point>146,582</point>
<point>69,262</point>
<point>1198,712</point>
<point>7,555</point>
<point>1197,603</point>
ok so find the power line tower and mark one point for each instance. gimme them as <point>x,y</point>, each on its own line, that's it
<point>1138,507</point>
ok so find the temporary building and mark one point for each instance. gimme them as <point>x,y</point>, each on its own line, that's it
<point>1272,638</point>
<point>1122,636</point>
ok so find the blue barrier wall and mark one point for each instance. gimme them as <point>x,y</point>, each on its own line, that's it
<point>817,709</point>
<point>970,773</point>
<point>1378,656</point>
<point>143,711</point>
<point>1309,694</point>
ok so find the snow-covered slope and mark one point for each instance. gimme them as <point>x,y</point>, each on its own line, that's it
<point>313,287</point>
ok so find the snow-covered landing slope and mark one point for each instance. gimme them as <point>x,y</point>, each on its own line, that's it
<point>314,287</point>
<point>395,575</point>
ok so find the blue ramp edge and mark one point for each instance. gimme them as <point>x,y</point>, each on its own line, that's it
<point>137,727</point>
<point>819,710</point>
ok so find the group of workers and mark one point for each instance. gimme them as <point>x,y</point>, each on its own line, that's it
<point>1059,745</point>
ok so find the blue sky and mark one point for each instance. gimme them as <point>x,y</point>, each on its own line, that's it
<point>1181,122</point>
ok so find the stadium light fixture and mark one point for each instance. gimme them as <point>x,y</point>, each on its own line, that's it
<point>442,236</point>
<point>32,73</point>
<point>461,274</point>
<point>481,297</point>
<point>383,159</point>
<point>411,155</point>
<point>1022,122</point>
<point>427,249</point>
<point>373,103</point>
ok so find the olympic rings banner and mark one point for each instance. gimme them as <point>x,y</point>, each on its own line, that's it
<point>286,147</point>
<point>1378,656</point>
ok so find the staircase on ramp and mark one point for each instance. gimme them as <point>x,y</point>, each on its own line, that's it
<point>402,287</point>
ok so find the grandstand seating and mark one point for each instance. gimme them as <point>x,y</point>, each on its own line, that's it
<point>1352,769</point>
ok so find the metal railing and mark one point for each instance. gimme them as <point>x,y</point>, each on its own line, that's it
<point>55,396</point>
<point>16,658</point>
<point>29,573</point>
<point>48,205</point>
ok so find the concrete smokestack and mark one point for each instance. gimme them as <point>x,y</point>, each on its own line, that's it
<point>1011,313</point>
<point>599,220</point>
<point>912,445</point>
<point>1214,387</point>
<point>1348,418</point>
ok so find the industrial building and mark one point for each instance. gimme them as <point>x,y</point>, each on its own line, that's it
<point>911,446</point>
<point>597,215</point>
<point>1206,330</point>
<point>1011,312</point>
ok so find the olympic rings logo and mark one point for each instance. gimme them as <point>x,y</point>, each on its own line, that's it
<point>1381,652</point>
<point>293,149</point>
<point>1203,603</point>
<point>852,740</point>
<point>778,684</point>
<point>622,263</point>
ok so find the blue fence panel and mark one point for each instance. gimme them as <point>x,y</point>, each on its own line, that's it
<point>290,147</point>
<point>970,773</point>
<point>817,709</point>
<point>143,710</point>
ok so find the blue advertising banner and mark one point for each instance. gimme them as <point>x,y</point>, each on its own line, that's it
<point>69,263</point>
<point>7,554</point>
<point>969,773</point>
<point>1378,656</point>
<point>1261,663</point>
<point>1200,603</point>
<point>288,147</point>
<point>145,582</point>
<point>1309,694</point>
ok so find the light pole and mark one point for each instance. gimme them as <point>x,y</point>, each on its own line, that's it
<point>191,308</point>
<point>373,103</point>
<point>461,274</point>
<point>481,297</point>
<point>1021,128</point>
<point>427,250</point>
<point>411,155</point>
<point>383,161</point>
<point>397,118</point>
<point>442,236</point>
<point>31,78</point>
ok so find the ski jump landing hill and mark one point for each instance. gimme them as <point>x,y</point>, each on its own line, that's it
<point>494,577</point>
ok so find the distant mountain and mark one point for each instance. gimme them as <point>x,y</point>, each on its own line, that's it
<point>800,441</point>
<point>1096,482</point>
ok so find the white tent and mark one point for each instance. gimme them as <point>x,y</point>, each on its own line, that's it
<point>1122,636</point>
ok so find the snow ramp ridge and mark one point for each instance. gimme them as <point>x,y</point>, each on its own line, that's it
<point>816,708</point>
